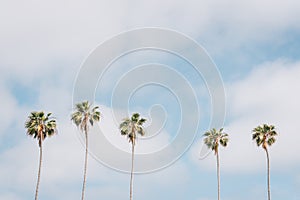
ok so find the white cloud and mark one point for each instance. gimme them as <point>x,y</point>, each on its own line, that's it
<point>167,177</point>
<point>10,196</point>
<point>268,95</point>
<point>43,44</point>
<point>8,113</point>
<point>35,34</point>
<point>63,156</point>
<point>62,170</point>
<point>109,128</point>
<point>13,167</point>
<point>62,167</point>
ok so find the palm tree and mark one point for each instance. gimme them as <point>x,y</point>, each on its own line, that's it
<point>40,126</point>
<point>264,135</point>
<point>82,116</point>
<point>130,128</point>
<point>212,139</point>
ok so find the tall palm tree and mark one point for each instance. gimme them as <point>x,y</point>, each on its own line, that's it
<point>130,128</point>
<point>264,135</point>
<point>82,116</point>
<point>212,139</point>
<point>40,126</point>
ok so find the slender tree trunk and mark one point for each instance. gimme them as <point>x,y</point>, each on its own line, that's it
<point>85,164</point>
<point>268,169</point>
<point>218,173</point>
<point>131,175</point>
<point>39,172</point>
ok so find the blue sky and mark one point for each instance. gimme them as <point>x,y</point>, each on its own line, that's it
<point>254,44</point>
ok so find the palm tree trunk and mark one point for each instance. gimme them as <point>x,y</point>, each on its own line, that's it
<point>268,169</point>
<point>39,172</point>
<point>85,165</point>
<point>131,175</point>
<point>218,173</point>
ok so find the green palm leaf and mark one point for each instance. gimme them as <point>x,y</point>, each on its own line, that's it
<point>264,134</point>
<point>214,137</point>
<point>132,126</point>
<point>40,126</point>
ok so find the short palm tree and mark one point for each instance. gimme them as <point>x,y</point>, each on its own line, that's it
<point>212,139</point>
<point>84,115</point>
<point>130,128</point>
<point>40,126</point>
<point>264,135</point>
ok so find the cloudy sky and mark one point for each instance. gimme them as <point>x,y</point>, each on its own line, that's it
<point>254,45</point>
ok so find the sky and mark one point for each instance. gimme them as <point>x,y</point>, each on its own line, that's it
<point>245,73</point>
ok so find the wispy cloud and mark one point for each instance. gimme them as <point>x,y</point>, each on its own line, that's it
<point>44,43</point>
<point>267,95</point>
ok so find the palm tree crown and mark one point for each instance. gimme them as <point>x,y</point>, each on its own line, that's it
<point>40,126</point>
<point>215,137</point>
<point>133,126</point>
<point>264,135</point>
<point>85,114</point>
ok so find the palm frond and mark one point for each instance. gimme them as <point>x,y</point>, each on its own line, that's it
<point>135,117</point>
<point>84,114</point>
<point>38,122</point>
<point>213,137</point>
<point>130,127</point>
<point>271,141</point>
<point>264,134</point>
